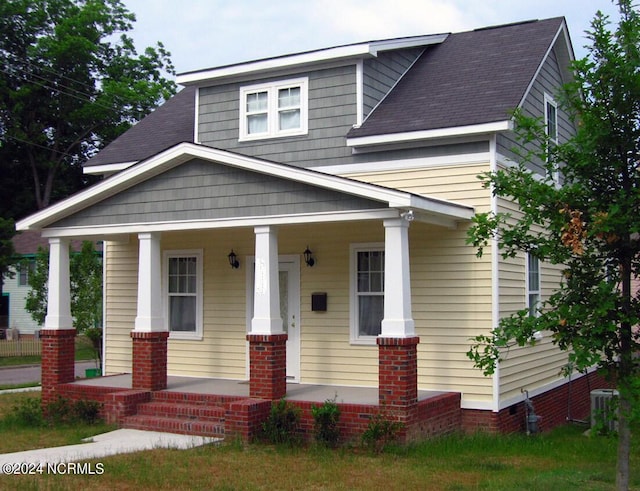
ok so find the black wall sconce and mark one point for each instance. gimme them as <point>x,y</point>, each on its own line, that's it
<point>233,260</point>
<point>308,258</point>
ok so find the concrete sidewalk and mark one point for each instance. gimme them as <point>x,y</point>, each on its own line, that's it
<point>112,443</point>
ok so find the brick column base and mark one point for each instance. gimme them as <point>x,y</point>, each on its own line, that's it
<point>149,360</point>
<point>58,360</point>
<point>268,366</point>
<point>397,372</point>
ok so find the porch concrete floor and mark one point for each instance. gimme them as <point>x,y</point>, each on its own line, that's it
<point>295,391</point>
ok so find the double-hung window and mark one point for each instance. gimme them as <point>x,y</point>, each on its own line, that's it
<point>533,284</point>
<point>274,109</point>
<point>367,292</point>
<point>183,280</point>
<point>551,125</point>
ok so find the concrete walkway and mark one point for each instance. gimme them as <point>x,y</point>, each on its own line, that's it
<point>112,443</point>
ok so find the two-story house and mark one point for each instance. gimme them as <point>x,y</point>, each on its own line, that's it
<point>298,223</point>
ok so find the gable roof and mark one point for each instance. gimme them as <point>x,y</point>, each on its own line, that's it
<point>171,123</point>
<point>472,78</point>
<point>429,209</point>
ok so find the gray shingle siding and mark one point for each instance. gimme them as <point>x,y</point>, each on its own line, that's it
<point>332,111</point>
<point>203,190</point>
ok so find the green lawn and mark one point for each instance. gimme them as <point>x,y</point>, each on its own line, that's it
<point>563,459</point>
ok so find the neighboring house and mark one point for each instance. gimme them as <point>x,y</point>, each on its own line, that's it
<point>365,157</point>
<point>17,288</point>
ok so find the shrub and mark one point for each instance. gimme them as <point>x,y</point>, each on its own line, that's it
<point>282,425</point>
<point>380,432</point>
<point>64,411</point>
<point>27,413</point>
<point>326,419</point>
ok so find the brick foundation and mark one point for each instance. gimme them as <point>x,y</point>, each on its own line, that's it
<point>58,360</point>
<point>267,366</point>
<point>570,401</point>
<point>149,360</point>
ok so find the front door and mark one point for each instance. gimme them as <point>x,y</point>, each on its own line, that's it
<point>289,284</point>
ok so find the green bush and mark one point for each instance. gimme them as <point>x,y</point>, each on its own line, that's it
<point>64,411</point>
<point>380,432</point>
<point>326,419</point>
<point>282,425</point>
<point>27,413</point>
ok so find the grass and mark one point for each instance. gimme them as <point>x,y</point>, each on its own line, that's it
<point>19,386</point>
<point>563,459</point>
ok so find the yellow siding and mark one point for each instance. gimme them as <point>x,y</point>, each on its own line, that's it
<point>530,367</point>
<point>121,297</point>
<point>456,183</point>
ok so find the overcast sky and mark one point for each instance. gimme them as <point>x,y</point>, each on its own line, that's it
<point>209,33</point>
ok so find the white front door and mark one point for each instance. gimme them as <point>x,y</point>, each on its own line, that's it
<point>289,284</point>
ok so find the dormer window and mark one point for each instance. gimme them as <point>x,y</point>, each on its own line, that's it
<point>274,110</point>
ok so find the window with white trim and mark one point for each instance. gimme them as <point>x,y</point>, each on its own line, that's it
<point>274,109</point>
<point>183,287</point>
<point>533,284</point>
<point>367,292</point>
<point>551,124</point>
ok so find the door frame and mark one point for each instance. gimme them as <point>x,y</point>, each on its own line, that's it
<point>291,264</point>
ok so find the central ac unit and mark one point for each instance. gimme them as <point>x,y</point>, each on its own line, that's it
<point>604,408</point>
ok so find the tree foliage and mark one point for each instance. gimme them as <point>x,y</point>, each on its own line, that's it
<point>85,269</point>
<point>71,81</point>
<point>590,224</point>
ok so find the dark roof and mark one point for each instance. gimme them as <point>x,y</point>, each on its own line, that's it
<point>168,125</point>
<point>27,242</point>
<point>471,78</point>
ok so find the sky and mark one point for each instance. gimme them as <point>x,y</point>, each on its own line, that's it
<point>211,33</point>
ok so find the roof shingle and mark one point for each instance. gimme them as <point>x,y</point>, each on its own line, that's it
<point>471,78</point>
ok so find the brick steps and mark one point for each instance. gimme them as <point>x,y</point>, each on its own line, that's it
<point>174,425</point>
<point>183,413</point>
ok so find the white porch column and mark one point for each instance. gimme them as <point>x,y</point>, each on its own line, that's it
<point>59,286</point>
<point>150,316</point>
<point>266,294</point>
<point>398,319</point>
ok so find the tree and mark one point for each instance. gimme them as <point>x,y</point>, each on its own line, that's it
<point>85,269</point>
<point>36,301</point>
<point>590,224</point>
<point>69,85</point>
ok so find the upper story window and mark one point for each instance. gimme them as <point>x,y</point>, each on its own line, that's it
<point>184,293</point>
<point>367,292</point>
<point>551,124</point>
<point>533,284</point>
<point>274,109</point>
